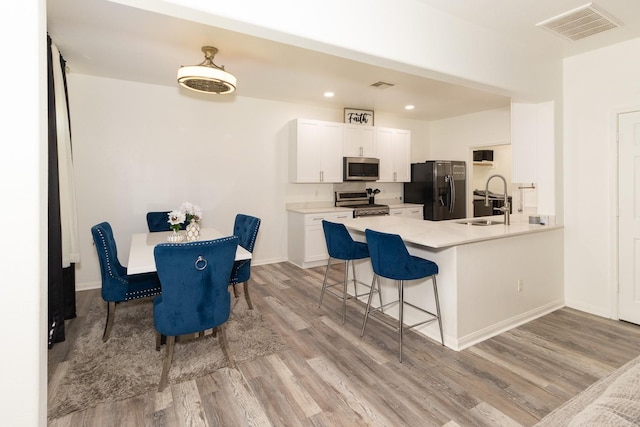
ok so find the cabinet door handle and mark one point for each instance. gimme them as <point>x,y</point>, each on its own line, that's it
<point>342,216</point>
<point>361,152</point>
<point>395,176</point>
<point>321,176</point>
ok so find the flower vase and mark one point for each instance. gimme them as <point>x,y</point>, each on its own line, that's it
<point>193,231</point>
<point>175,237</point>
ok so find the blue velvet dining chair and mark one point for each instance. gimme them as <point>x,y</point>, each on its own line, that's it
<point>245,228</point>
<point>391,259</point>
<point>117,285</point>
<point>195,293</point>
<point>159,221</point>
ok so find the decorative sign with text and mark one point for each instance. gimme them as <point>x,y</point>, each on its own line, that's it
<point>358,117</point>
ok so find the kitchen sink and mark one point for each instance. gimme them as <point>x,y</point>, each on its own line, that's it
<point>481,222</point>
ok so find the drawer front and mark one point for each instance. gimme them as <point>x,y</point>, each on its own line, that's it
<point>311,219</point>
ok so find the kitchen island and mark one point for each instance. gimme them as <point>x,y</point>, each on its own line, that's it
<point>491,278</point>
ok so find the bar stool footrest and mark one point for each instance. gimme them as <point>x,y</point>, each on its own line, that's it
<point>341,284</point>
<point>394,325</point>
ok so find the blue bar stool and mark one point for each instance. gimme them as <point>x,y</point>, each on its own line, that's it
<point>341,246</point>
<point>390,259</point>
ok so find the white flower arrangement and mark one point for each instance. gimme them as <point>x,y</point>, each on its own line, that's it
<point>192,212</point>
<point>175,219</point>
<point>186,212</point>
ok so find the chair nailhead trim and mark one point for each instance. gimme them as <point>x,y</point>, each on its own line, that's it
<point>199,243</point>
<point>106,251</point>
<point>142,294</point>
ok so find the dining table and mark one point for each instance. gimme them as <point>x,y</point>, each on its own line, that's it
<point>142,260</point>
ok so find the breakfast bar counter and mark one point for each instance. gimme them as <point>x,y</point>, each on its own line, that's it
<point>491,277</point>
<point>443,234</point>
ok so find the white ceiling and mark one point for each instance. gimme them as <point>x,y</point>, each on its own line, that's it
<point>98,37</point>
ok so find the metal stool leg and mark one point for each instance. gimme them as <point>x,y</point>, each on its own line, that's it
<point>344,290</point>
<point>324,283</point>
<point>355,281</point>
<point>366,312</point>
<point>401,313</point>
<point>435,294</point>
<point>380,297</point>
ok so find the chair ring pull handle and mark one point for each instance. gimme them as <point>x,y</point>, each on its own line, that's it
<point>201,263</point>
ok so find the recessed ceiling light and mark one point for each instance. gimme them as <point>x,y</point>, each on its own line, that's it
<point>409,107</point>
<point>328,94</point>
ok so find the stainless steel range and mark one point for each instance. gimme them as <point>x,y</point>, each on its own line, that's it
<point>359,201</point>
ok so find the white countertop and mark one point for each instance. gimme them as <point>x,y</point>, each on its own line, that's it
<point>443,234</point>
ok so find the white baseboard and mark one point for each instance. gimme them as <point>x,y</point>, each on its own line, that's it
<point>587,308</point>
<point>85,286</point>
<point>505,325</point>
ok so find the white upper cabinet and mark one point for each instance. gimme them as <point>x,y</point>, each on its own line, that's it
<point>317,148</point>
<point>315,151</point>
<point>359,141</point>
<point>394,152</point>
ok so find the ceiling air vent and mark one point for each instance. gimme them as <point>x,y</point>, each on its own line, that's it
<point>382,85</point>
<point>579,23</point>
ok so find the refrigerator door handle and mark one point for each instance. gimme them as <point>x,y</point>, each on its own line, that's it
<point>452,191</point>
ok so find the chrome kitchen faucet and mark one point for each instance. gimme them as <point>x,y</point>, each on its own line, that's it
<point>506,207</point>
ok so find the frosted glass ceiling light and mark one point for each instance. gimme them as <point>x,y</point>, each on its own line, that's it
<point>207,77</point>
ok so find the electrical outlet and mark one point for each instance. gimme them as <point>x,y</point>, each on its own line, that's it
<point>520,285</point>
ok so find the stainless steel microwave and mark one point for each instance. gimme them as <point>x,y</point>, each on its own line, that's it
<point>361,169</point>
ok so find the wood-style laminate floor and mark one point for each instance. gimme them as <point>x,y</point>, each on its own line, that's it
<point>329,376</point>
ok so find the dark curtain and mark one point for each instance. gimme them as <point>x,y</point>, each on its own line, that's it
<point>61,304</point>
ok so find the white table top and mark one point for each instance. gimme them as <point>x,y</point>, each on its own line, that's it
<point>141,259</point>
<point>443,234</point>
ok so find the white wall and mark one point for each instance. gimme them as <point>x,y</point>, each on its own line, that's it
<point>452,138</point>
<point>140,147</point>
<point>596,86</point>
<point>23,185</point>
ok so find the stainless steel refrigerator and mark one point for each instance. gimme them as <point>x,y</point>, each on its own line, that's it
<point>441,186</point>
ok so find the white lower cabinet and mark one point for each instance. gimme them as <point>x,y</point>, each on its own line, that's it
<point>412,212</point>
<point>306,245</point>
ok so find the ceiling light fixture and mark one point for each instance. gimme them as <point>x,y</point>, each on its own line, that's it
<point>328,94</point>
<point>207,77</point>
<point>409,107</point>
